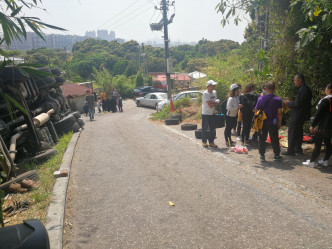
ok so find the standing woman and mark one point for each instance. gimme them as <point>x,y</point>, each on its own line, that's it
<point>322,129</point>
<point>233,105</point>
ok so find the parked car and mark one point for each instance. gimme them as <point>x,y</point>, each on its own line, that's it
<point>144,90</point>
<point>193,95</point>
<point>151,99</point>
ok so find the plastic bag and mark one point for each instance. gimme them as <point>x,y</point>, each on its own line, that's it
<point>240,149</point>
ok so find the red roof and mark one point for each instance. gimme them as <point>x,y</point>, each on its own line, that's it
<point>74,90</point>
<point>180,76</point>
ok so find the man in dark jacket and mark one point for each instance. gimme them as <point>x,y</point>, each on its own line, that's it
<point>90,102</point>
<point>300,112</point>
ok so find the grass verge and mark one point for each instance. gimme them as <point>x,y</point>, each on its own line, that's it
<point>188,109</point>
<point>39,198</point>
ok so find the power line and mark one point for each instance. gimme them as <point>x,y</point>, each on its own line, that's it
<point>132,18</point>
<point>119,13</point>
<point>134,11</point>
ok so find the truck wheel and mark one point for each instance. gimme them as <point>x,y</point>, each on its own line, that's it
<point>80,122</point>
<point>77,114</point>
<point>56,71</point>
<point>42,157</point>
<point>60,79</point>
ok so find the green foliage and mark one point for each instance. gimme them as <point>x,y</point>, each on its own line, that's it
<point>166,111</point>
<point>139,80</point>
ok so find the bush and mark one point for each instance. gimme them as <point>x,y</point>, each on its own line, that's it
<point>166,111</point>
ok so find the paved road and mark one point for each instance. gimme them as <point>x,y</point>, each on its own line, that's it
<point>126,169</point>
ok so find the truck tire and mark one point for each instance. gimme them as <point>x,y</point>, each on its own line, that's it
<point>67,121</point>
<point>172,121</point>
<point>80,122</point>
<point>188,127</point>
<point>77,114</point>
<point>60,79</point>
<point>76,127</point>
<point>42,157</point>
<point>56,71</point>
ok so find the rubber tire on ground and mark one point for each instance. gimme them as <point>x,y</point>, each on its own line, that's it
<point>56,71</point>
<point>172,121</point>
<point>189,127</point>
<point>80,122</point>
<point>178,116</point>
<point>198,133</point>
<point>77,114</point>
<point>138,103</point>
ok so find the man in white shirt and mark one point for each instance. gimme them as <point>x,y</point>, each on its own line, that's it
<point>209,102</point>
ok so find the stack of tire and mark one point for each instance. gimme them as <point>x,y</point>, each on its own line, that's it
<point>174,119</point>
<point>71,122</point>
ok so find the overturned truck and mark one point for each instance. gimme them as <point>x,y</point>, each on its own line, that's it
<point>33,115</point>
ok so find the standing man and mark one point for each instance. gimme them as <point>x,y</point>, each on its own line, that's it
<point>272,107</point>
<point>90,102</point>
<point>209,102</point>
<point>300,112</point>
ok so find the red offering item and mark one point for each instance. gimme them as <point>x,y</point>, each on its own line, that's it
<point>172,106</point>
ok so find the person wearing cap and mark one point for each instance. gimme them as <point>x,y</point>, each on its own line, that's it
<point>209,102</point>
<point>233,105</point>
<point>90,102</point>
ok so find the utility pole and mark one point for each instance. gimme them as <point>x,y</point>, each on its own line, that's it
<point>168,76</point>
<point>67,72</point>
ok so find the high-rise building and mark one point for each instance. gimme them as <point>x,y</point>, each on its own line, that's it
<point>112,35</point>
<point>90,34</point>
<point>102,34</point>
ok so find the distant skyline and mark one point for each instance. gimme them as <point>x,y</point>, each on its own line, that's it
<point>193,20</point>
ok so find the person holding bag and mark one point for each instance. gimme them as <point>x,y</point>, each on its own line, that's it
<point>270,106</point>
<point>233,105</point>
<point>322,130</point>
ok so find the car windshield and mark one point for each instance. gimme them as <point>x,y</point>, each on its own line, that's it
<point>164,95</point>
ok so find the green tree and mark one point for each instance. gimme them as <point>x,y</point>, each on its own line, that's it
<point>139,80</point>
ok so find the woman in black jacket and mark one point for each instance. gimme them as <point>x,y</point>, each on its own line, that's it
<point>322,129</point>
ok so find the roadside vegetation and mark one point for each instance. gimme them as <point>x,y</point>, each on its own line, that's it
<point>41,196</point>
<point>190,110</point>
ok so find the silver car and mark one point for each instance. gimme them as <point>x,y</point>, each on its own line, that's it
<point>193,95</point>
<point>151,99</point>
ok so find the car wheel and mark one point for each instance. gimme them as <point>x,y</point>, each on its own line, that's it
<point>172,121</point>
<point>188,127</point>
<point>138,103</point>
<point>156,106</point>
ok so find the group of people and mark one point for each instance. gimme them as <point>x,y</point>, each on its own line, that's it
<point>242,110</point>
<point>103,102</point>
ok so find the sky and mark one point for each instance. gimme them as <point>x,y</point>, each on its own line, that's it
<point>130,19</point>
